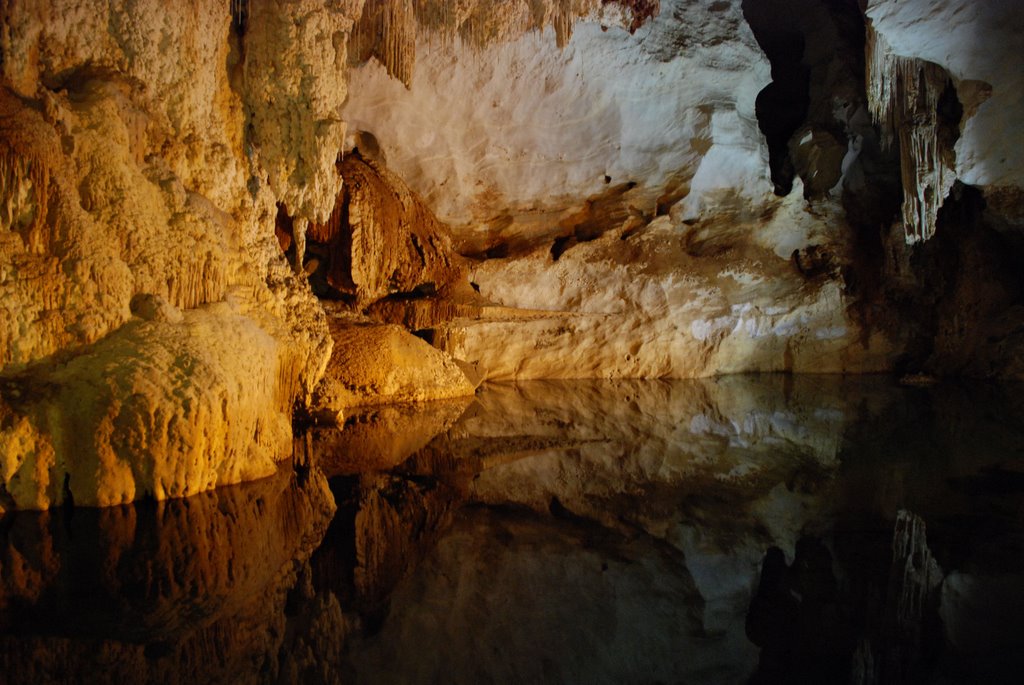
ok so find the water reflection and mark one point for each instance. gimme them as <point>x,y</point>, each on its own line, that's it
<point>184,591</point>
<point>766,529</point>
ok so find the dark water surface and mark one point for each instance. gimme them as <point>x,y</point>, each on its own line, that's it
<point>746,529</point>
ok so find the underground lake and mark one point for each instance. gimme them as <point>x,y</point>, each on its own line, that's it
<point>758,529</point>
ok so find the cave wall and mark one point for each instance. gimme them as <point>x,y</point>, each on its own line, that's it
<point>508,142</point>
<point>139,259</point>
<point>566,188</point>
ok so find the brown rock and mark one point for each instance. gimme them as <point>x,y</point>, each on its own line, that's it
<point>373,364</point>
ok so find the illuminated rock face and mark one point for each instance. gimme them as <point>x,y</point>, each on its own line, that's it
<point>979,45</point>
<point>510,142</point>
<point>380,240</point>
<point>152,338</point>
<point>673,301</point>
<point>922,54</point>
<point>543,188</point>
<point>377,364</point>
<point>157,409</point>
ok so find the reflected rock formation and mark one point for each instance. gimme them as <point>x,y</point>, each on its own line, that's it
<point>913,573</point>
<point>380,437</point>
<point>615,532</point>
<point>745,529</point>
<point>191,590</point>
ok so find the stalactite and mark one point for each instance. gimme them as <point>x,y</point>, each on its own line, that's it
<point>563,20</point>
<point>399,40</point>
<point>239,15</point>
<point>444,18</point>
<point>388,29</point>
<point>299,226</point>
<point>23,184</point>
<point>903,94</point>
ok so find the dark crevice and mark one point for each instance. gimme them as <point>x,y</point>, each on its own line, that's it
<point>239,16</point>
<point>560,245</point>
<point>938,269</point>
<point>781,107</point>
<point>949,114</point>
<point>427,335</point>
<point>499,251</point>
<point>420,292</point>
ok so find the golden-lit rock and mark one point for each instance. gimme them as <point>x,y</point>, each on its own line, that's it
<point>125,190</point>
<point>295,81</point>
<point>375,363</point>
<point>379,240</point>
<point>157,409</point>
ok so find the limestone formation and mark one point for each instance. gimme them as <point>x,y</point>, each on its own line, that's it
<point>389,31</point>
<point>905,98</point>
<point>295,52</point>
<point>671,301</point>
<point>378,363</point>
<point>920,56</point>
<point>542,188</point>
<point>126,191</point>
<point>986,74</point>
<point>380,240</point>
<point>521,133</point>
<point>158,409</point>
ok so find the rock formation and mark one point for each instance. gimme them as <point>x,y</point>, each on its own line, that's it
<point>552,188</point>
<point>168,592</point>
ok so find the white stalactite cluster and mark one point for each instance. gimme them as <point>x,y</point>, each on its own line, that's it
<point>903,94</point>
<point>388,29</point>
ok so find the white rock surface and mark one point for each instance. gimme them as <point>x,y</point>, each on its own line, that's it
<point>673,301</point>
<point>504,140</point>
<point>973,41</point>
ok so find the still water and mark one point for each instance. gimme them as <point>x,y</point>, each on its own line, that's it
<point>739,530</point>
